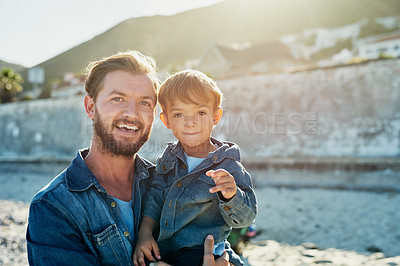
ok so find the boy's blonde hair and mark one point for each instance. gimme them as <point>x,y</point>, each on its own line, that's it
<point>189,86</point>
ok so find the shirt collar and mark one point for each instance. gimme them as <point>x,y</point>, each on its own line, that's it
<point>225,150</point>
<point>80,178</point>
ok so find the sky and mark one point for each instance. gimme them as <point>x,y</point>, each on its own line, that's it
<point>33,31</point>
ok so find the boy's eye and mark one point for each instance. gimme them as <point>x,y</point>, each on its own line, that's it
<point>202,113</point>
<point>177,115</point>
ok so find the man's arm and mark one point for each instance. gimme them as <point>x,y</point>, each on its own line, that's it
<point>208,258</point>
<point>52,240</point>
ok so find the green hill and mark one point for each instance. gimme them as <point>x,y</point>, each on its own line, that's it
<point>17,68</point>
<point>173,39</point>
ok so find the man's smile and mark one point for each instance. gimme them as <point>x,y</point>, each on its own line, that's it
<point>128,127</point>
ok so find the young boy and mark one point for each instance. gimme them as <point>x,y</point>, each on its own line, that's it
<point>201,187</point>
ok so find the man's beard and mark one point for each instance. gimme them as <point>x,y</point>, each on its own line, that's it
<point>110,145</point>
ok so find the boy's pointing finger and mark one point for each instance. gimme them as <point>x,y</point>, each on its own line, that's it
<point>209,173</point>
<point>217,173</point>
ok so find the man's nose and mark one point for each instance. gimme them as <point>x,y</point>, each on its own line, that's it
<point>130,110</point>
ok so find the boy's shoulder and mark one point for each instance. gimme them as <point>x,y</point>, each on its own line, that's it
<point>225,149</point>
<point>169,152</point>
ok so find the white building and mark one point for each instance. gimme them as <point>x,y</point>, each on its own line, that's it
<point>376,46</point>
<point>322,38</point>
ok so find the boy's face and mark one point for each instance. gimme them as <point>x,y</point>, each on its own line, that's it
<point>192,125</point>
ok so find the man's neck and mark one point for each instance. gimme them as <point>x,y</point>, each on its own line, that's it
<point>114,173</point>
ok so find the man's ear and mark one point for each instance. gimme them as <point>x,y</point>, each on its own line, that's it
<point>164,119</point>
<point>89,106</point>
<point>217,116</point>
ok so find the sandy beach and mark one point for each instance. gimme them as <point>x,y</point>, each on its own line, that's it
<point>302,226</point>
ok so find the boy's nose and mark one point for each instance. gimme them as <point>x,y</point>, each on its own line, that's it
<point>189,122</point>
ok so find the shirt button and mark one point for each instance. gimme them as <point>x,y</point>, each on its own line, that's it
<point>179,184</point>
<point>113,204</point>
<point>126,233</point>
<point>184,166</point>
<point>166,223</point>
<point>215,158</point>
<point>164,167</point>
<point>169,205</point>
<point>227,208</point>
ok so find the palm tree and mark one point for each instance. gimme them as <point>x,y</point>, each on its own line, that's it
<point>10,83</point>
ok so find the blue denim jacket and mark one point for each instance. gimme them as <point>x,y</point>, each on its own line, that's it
<point>187,212</point>
<point>73,221</point>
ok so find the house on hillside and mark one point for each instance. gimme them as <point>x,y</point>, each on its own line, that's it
<point>220,61</point>
<point>311,41</point>
<point>385,44</point>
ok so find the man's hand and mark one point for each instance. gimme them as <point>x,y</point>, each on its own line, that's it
<point>208,259</point>
<point>144,247</point>
<point>224,182</point>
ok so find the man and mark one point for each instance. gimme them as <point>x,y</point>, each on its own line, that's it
<point>89,214</point>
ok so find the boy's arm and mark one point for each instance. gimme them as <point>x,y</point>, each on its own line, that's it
<point>241,209</point>
<point>146,243</point>
<point>154,199</point>
<point>151,212</point>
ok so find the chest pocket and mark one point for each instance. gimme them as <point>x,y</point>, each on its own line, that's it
<point>166,169</point>
<point>109,247</point>
<point>201,191</point>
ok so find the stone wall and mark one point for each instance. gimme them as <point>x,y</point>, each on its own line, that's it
<point>52,128</point>
<point>351,111</point>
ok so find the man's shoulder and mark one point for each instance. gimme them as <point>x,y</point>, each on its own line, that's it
<point>73,178</point>
<point>52,188</point>
<point>146,163</point>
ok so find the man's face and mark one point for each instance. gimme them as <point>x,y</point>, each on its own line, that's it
<point>123,113</point>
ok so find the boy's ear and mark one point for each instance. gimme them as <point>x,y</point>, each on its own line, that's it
<point>89,106</point>
<point>164,119</point>
<point>217,116</point>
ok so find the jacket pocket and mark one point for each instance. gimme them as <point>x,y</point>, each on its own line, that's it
<point>109,246</point>
<point>201,192</point>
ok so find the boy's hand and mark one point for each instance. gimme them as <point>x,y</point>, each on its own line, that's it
<point>224,182</point>
<point>144,247</point>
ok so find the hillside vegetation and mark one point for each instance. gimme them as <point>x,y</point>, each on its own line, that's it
<point>174,39</point>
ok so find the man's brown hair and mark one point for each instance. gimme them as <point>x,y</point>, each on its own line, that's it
<point>131,61</point>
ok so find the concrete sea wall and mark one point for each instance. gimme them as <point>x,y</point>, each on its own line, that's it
<point>351,111</point>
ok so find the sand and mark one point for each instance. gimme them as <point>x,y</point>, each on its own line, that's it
<point>303,226</point>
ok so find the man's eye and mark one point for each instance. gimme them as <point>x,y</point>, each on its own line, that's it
<point>144,103</point>
<point>177,115</point>
<point>117,99</point>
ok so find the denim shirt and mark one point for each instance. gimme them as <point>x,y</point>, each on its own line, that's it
<point>73,221</point>
<point>187,212</point>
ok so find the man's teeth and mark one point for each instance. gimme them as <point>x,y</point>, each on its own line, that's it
<point>134,128</point>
